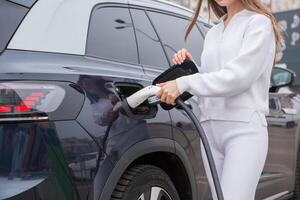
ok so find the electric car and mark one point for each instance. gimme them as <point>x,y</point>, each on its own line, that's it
<point>66,64</point>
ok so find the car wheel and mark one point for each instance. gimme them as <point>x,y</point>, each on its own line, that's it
<point>297,177</point>
<point>145,182</point>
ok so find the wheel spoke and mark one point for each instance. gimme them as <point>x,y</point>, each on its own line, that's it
<point>146,194</point>
<point>155,193</point>
<point>142,197</point>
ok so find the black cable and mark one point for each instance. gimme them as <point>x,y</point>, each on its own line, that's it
<point>202,135</point>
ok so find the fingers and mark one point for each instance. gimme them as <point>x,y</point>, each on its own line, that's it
<point>189,56</point>
<point>168,92</point>
<point>171,99</point>
<point>180,56</point>
<point>159,93</point>
<point>175,59</point>
<point>163,96</point>
<point>167,99</point>
<point>186,54</point>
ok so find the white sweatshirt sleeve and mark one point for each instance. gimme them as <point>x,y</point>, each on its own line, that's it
<point>199,67</point>
<point>240,72</point>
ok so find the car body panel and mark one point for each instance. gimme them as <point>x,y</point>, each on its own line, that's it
<point>76,136</point>
<point>89,151</point>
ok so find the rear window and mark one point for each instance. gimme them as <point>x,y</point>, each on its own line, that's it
<point>11,14</point>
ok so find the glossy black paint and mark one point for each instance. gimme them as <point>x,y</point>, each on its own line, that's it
<point>83,156</point>
<point>32,162</point>
<point>89,146</point>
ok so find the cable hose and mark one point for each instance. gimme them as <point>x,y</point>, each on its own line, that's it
<point>206,146</point>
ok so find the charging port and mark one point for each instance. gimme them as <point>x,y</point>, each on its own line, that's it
<point>144,111</point>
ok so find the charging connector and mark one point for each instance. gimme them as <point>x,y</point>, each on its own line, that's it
<point>153,100</point>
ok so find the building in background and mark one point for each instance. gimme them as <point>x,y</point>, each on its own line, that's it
<point>282,5</point>
<point>274,5</point>
<point>290,22</point>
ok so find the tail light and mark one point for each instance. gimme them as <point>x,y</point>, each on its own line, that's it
<point>23,101</point>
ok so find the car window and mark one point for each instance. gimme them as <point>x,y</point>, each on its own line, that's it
<point>149,46</point>
<point>11,16</point>
<point>26,3</point>
<point>111,35</point>
<point>171,30</point>
<point>272,104</point>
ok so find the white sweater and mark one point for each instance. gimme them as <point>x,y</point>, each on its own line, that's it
<point>236,64</point>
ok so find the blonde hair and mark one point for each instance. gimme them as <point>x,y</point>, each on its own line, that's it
<point>252,5</point>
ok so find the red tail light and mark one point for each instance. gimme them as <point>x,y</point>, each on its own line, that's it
<point>5,109</point>
<point>29,98</point>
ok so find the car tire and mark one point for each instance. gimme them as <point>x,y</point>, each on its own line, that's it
<point>142,181</point>
<point>297,177</point>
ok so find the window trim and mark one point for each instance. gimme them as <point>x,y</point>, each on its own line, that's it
<point>156,33</point>
<point>172,15</point>
<point>158,36</point>
<point>199,21</point>
<point>136,42</point>
<point>147,9</point>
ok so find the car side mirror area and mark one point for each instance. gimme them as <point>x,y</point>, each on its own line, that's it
<point>281,77</point>
<point>143,111</point>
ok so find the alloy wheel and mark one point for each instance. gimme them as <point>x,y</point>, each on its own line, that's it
<point>154,193</point>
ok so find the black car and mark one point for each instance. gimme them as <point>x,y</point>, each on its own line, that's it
<point>65,64</point>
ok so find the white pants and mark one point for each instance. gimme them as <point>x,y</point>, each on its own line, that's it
<point>239,149</point>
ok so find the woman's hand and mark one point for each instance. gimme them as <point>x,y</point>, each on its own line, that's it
<point>168,92</point>
<point>180,56</point>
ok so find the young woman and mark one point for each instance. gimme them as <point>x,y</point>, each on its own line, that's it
<point>232,89</point>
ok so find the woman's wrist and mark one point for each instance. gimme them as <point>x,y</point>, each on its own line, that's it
<point>182,84</point>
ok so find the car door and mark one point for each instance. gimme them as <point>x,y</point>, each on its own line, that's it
<point>170,29</point>
<point>112,45</point>
<point>153,60</point>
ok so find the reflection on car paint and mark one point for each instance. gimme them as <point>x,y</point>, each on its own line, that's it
<point>27,153</point>
<point>117,126</point>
